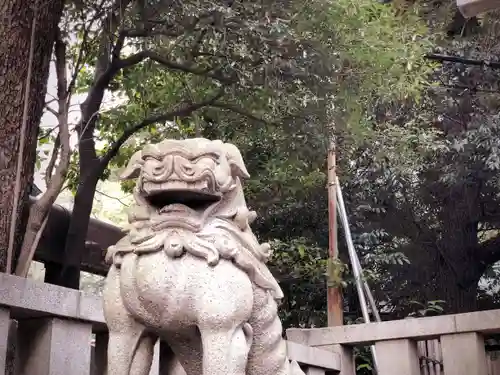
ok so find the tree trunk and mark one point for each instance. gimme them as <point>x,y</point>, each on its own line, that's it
<point>455,268</point>
<point>69,275</point>
<point>429,277</point>
<point>457,298</point>
<point>451,280</point>
<point>446,271</point>
<point>457,274</point>
<point>15,31</point>
<point>444,262</point>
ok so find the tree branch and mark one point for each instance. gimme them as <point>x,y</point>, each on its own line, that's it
<point>238,110</point>
<point>48,132</point>
<point>143,55</point>
<point>191,101</point>
<point>52,162</point>
<point>470,89</point>
<point>151,31</point>
<point>111,197</point>
<point>240,59</point>
<point>79,59</point>
<point>50,101</point>
<point>462,60</point>
<point>115,147</point>
<point>51,110</point>
<point>106,69</point>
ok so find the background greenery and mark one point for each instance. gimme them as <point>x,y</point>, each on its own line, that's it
<point>417,142</point>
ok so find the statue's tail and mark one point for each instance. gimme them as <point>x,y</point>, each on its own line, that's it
<point>268,351</point>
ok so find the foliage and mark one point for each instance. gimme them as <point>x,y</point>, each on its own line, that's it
<point>288,71</point>
<point>364,361</point>
<point>301,267</point>
<point>111,204</point>
<point>378,56</point>
<point>431,308</point>
<point>429,201</point>
<point>421,192</point>
<point>166,61</point>
<point>274,84</point>
<point>263,76</point>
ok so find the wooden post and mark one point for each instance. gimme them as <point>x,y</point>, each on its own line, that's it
<point>334,294</point>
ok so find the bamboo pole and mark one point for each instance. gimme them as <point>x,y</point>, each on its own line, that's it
<point>334,293</point>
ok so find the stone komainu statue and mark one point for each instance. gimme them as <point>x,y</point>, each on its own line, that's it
<point>190,271</point>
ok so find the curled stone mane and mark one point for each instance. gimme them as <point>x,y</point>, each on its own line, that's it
<point>213,224</point>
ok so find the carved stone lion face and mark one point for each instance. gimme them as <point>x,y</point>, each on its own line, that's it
<point>193,172</point>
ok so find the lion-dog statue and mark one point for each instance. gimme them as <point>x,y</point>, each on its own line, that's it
<point>190,271</point>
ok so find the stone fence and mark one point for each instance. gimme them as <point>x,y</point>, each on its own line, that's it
<point>442,345</point>
<point>50,330</point>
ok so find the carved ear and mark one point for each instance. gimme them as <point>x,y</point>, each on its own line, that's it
<point>236,160</point>
<point>133,167</point>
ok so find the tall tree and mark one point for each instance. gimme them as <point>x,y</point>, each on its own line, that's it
<point>169,61</point>
<point>440,210</point>
<point>20,109</point>
<point>260,75</point>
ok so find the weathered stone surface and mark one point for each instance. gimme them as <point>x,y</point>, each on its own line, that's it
<point>54,347</point>
<point>30,300</point>
<point>190,270</point>
<point>472,358</point>
<point>485,322</point>
<point>405,362</point>
<point>53,298</point>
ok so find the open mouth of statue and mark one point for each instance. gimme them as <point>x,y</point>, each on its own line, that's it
<point>170,195</point>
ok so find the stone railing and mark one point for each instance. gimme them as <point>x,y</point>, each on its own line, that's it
<point>443,345</point>
<point>50,330</point>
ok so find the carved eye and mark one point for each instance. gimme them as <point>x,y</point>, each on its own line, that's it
<point>187,168</point>
<point>157,167</point>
